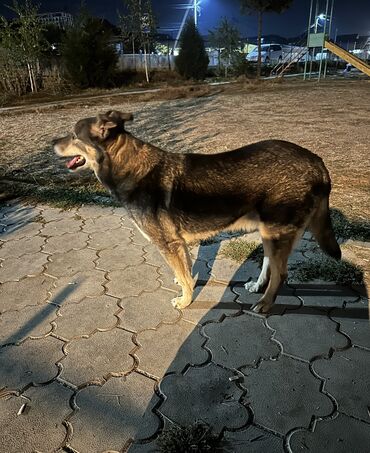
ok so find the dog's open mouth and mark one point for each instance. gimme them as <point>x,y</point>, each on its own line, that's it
<point>76,162</point>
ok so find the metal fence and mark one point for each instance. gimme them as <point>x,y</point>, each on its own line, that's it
<point>136,62</point>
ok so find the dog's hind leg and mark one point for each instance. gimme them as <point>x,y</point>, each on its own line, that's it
<point>255,287</point>
<point>277,248</point>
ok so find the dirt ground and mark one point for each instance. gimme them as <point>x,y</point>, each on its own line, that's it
<point>331,118</point>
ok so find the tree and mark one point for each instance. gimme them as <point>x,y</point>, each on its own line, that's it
<point>22,39</point>
<point>226,39</point>
<point>87,53</point>
<point>192,61</point>
<point>261,7</point>
<point>138,26</point>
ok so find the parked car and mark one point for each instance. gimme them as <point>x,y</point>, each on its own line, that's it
<point>270,53</point>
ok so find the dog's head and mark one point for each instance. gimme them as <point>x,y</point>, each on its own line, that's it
<point>90,138</point>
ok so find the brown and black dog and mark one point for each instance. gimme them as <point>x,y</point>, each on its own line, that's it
<point>274,186</point>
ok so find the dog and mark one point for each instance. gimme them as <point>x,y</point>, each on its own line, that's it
<point>273,186</point>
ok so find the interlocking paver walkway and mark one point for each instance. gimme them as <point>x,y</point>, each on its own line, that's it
<point>94,358</point>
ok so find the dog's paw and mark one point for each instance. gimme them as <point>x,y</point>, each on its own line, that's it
<point>262,307</point>
<point>180,302</point>
<point>252,287</point>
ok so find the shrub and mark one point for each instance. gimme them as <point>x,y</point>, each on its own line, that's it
<point>192,61</point>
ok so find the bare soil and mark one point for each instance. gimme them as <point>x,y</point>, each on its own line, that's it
<point>331,118</point>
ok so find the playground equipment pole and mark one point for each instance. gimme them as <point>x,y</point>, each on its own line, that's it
<point>308,37</point>
<point>322,47</point>
<point>329,33</point>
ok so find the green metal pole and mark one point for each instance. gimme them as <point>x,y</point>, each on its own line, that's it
<point>329,32</point>
<point>322,46</point>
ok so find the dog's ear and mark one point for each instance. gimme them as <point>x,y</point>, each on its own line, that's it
<point>101,127</point>
<point>120,116</point>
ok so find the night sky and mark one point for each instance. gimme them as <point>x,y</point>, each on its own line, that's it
<point>349,16</point>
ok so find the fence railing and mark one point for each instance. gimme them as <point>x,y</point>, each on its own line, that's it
<point>136,62</point>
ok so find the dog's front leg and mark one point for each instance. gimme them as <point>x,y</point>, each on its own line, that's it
<point>177,256</point>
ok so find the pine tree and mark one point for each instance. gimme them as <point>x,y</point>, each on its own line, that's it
<point>192,61</point>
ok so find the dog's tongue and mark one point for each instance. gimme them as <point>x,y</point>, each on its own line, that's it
<point>75,162</point>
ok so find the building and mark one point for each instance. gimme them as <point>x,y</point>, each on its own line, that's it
<point>59,19</point>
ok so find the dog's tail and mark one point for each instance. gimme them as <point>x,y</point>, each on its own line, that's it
<point>322,229</point>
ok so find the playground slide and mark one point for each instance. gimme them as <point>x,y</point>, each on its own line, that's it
<point>347,56</point>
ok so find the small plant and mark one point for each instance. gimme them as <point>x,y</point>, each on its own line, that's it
<point>240,250</point>
<point>197,438</point>
<point>327,269</point>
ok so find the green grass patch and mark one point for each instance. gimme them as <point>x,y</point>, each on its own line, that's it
<point>195,438</point>
<point>350,229</point>
<point>240,250</point>
<point>327,269</point>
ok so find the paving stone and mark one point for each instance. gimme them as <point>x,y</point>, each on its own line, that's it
<point>60,227</point>
<point>120,212</point>
<point>324,295</point>
<point>150,447</point>
<point>19,231</point>
<point>92,211</point>
<point>253,440</point>
<point>19,216</point>
<point>21,247</point>
<point>101,224</point>
<point>205,394</point>
<point>120,257</point>
<point>208,253</point>
<point>66,264</point>
<point>32,361</point>
<point>156,306</point>
<point>126,414</point>
<point>66,242</point>
<point>50,214</point>
<point>39,427</point>
<point>342,434</point>
<point>153,256</point>
<point>306,334</point>
<point>29,291</point>
<point>354,321</point>
<point>201,272</point>
<point>240,341</point>
<point>170,348</point>
<point>110,239</point>
<point>16,326</point>
<point>132,281</point>
<point>13,269</point>
<point>74,288</point>
<point>346,377</point>
<point>284,394</point>
<point>225,270</point>
<point>86,317</point>
<point>210,303</point>
<point>166,278</point>
<point>97,357</point>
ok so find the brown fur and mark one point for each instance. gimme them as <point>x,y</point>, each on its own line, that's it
<point>274,186</point>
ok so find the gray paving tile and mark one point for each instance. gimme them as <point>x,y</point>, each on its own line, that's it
<point>110,239</point>
<point>29,291</point>
<point>120,257</point>
<point>170,348</point>
<point>284,394</point>
<point>39,427</point>
<point>126,413</point>
<point>346,377</point>
<point>354,321</point>
<point>35,321</point>
<point>325,295</point>
<point>205,394</point>
<point>50,214</point>
<point>18,248</point>
<point>92,211</point>
<point>13,269</point>
<point>32,361</point>
<point>148,310</point>
<point>97,357</point>
<point>342,434</point>
<point>253,440</point>
<point>226,270</point>
<point>239,341</point>
<point>132,281</point>
<point>66,264</point>
<point>60,227</point>
<point>101,224</point>
<point>306,333</point>
<point>91,314</point>
<point>74,288</point>
<point>66,242</point>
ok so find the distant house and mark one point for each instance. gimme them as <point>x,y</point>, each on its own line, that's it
<point>59,19</point>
